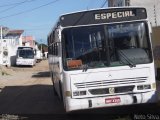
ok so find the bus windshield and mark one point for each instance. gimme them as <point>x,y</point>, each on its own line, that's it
<point>107,45</point>
<point>26,54</point>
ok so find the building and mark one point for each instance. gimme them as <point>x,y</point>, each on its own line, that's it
<point>3,31</point>
<point>115,3</point>
<point>28,41</point>
<point>15,35</point>
<point>10,40</point>
<point>152,6</point>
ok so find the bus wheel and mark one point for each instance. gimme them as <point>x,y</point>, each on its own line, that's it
<point>60,89</point>
<point>54,90</point>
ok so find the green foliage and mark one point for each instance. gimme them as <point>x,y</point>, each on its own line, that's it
<point>4,73</point>
<point>44,46</point>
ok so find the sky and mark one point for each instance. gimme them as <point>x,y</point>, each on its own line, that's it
<point>37,17</point>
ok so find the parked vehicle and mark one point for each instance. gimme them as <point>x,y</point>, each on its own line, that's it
<point>25,56</point>
<point>38,56</point>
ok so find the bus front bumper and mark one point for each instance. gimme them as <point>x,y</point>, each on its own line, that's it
<point>25,62</point>
<point>110,101</point>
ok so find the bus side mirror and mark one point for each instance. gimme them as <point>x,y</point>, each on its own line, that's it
<point>35,52</point>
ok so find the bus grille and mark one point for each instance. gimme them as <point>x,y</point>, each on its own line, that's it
<point>122,89</point>
<point>110,82</point>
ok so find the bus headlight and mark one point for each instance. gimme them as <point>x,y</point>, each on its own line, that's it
<point>143,87</point>
<point>153,85</point>
<point>79,93</point>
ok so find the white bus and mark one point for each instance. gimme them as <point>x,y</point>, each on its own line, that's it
<point>25,56</point>
<point>102,58</point>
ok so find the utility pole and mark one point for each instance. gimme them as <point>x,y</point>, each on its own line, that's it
<point>1,48</point>
<point>41,48</point>
<point>1,38</point>
<point>1,29</point>
<point>41,45</point>
<point>1,32</point>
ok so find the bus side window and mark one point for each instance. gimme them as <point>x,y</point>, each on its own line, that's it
<point>56,49</point>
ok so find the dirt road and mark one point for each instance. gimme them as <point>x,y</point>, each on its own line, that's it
<point>28,90</point>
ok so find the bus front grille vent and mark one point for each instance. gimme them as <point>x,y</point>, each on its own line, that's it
<point>103,83</point>
<point>122,89</point>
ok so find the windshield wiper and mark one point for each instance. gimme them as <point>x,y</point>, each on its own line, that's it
<point>129,61</point>
<point>85,68</point>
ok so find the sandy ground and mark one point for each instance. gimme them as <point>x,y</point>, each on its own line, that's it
<point>26,75</point>
<point>28,90</point>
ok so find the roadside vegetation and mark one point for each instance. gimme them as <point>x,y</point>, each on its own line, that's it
<point>3,71</point>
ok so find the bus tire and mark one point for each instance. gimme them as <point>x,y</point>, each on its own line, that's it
<point>54,91</point>
<point>60,90</point>
<point>61,95</point>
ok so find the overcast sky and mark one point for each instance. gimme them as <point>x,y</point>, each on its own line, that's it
<point>37,17</point>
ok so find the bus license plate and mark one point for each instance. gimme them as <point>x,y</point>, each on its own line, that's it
<point>112,100</point>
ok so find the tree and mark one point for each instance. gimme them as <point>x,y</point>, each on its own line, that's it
<point>43,46</point>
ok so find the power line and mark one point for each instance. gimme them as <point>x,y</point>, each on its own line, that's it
<point>29,10</point>
<point>5,5</point>
<point>16,5</point>
<point>91,2</point>
<point>104,3</point>
<point>36,29</point>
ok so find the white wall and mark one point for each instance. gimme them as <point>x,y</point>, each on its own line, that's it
<point>152,6</point>
<point>153,9</point>
<point>115,3</point>
<point>10,47</point>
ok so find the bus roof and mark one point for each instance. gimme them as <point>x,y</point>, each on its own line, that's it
<point>101,15</point>
<point>102,9</point>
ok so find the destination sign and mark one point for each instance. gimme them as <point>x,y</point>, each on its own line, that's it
<point>103,16</point>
